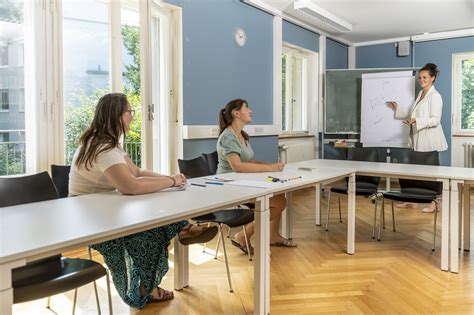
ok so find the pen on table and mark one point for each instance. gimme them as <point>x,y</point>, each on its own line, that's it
<point>214,183</point>
<point>196,184</point>
<point>296,177</point>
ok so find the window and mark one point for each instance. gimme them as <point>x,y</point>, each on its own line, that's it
<point>85,65</point>
<point>3,55</point>
<point>463,93</point>
<point>294,91</point>
<point>4,136</point>
<point>4,100</point>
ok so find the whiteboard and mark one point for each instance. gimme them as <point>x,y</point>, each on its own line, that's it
<point>379,128</point>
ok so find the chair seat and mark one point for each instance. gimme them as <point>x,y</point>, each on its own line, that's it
<point>230,217</point>
<point>362,189</point>
<point>411,195</point>
<point>53,275</point>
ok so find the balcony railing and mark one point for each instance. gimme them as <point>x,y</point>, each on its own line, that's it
<point>12,156</point>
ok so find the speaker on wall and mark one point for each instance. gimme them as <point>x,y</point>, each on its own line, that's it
<point>403,48</point>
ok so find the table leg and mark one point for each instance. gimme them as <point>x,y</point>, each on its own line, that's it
<point>261,297</point>
<point>181,265</point>
<point>467,217</point>
<point>317,201</point>
<point>454,225</point>
<point>286,217</point>
<point>445,225</point>
<point>351,215</point>
<point>6,290</point>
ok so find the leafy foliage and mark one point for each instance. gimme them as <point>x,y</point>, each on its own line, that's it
<point>78,118</point>
<point>467,102</point>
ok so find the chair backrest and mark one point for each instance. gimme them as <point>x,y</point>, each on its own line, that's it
<point>60,176</point>
<point>364,154</point>
<point>26,189</point>
<point>423,158</point>
<point>212,160</point>
<point>194,168</point>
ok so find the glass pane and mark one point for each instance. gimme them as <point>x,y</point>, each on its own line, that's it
<point>131,78</point>
<point>12,98</point>
<point>297,91</point>
<point>467,95</point>
<point>86,66</point>
<point>283,94</point>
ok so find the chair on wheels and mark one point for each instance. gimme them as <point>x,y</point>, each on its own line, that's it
<point>414,190</point>
<point>51,275</point>
<point>231,217</point>
<point>365,185</point>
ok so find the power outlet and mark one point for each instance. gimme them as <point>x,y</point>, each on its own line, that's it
<point>258,130</point>
<point>215,131</point>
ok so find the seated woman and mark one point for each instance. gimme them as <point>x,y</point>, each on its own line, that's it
<point>137,262</point>
<point>235,155</point>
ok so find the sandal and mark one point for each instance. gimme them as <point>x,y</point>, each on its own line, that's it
<point>242,247</point>
<point>197,236</point>
<point>163,296</point>
<point>285,243</point>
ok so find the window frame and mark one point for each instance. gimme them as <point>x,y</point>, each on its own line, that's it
<point>290,52</point>
<point>456,101</point>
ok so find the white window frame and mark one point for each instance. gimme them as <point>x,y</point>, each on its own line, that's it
<point>456,93</point>
<point>310,90</point>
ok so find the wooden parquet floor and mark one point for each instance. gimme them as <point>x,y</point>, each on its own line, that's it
<point>400,274</point>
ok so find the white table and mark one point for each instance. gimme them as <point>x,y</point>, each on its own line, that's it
<point>33,231</point>
<point>450,177</point>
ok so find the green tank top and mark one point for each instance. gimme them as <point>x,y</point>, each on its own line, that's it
<point>228,144</point>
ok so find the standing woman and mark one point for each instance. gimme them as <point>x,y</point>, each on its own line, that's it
<point>424,119</point>
<point>137,262</point>
<point>235,155</point>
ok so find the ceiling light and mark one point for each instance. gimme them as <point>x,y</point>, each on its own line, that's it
<point>321,15</point>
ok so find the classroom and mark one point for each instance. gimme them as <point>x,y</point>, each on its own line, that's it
<point>236,156</point>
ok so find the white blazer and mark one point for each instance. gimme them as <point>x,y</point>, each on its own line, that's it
<point>426,134</point>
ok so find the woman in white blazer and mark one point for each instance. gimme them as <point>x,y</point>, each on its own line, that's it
<point>424,118</point>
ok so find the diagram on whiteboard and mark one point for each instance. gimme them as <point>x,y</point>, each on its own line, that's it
<point>379,128</point>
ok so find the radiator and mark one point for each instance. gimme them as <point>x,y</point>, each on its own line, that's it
<point>296,151</point>
<point>469,154</point>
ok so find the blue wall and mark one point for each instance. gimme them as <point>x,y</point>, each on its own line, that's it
<point>438,52</point>
<point>380,56</point>
<point>336,55</point>
<point>216,70</point>
<point>299,36</point>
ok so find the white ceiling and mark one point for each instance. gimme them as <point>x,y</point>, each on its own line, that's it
<point>375,20</point>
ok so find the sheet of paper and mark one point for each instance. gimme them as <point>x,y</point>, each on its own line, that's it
<point>181,188</point>
<point>218,179</point>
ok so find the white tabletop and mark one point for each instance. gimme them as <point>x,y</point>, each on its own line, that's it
<point>394,169</point>
<point>31,230</point>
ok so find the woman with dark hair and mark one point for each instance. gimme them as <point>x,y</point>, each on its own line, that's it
<point>137,262</point>
<point>424,119</point>
<point>235,155</point>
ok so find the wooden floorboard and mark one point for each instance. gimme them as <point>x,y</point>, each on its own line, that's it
<point>400,274</point>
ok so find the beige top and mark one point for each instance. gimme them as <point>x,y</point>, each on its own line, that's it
<point>83,181</point>
<point>426,134</point>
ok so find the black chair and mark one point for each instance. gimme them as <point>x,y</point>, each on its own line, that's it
<point>365,185</point>
<point>51,275</point>
<point>231,217</point>
<point>415,190</point>
<point>212,160</point>
<point>60,176</point>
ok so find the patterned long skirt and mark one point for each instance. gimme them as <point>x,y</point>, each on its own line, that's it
<point>140,258</point>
